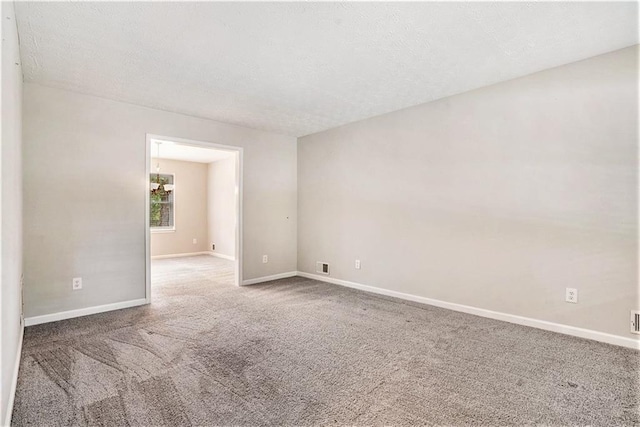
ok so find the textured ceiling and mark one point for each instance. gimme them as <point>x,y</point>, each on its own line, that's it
<point>299,68</point>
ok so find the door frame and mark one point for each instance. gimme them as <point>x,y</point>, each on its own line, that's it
<point>238,201</point>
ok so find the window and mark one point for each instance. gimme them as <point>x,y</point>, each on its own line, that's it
<point>162,202</point>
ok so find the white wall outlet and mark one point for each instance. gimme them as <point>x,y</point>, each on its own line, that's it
<point>572,295</point>
<point>357,264</point>
<point>195,241</point>
<point>76,283</point>
<point>265,259</point>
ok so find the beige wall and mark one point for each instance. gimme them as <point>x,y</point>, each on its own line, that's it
<point>89,219</point>
<point>11,208</point>
<point>222,206</point>
<point>498,198</point>
<point>190,203</point>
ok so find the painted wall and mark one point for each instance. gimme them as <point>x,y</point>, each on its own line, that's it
<point>89,219</point>
<point>190,201</point>
<point>222,206</point>
<point>11,209</point>
<point>498,198</point>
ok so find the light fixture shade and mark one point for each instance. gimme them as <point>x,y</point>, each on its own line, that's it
<point>168,187</point>
<point>154,186</point>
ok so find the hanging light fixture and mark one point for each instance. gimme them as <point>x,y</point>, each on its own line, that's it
<point>158,187</point>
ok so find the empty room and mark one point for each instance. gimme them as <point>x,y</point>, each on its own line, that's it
<point>319,213</point>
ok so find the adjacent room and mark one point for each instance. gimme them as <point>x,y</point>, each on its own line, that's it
<point>319,213</point>
<point>194,213</point>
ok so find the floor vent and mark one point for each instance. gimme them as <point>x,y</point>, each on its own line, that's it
<point>635,322</point>
<point>322,267</point>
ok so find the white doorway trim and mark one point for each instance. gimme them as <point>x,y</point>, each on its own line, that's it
<point>238,200</point>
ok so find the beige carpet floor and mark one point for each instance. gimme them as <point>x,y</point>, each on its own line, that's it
<point>301,352</point>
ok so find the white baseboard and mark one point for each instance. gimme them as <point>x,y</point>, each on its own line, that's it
<point>179,255</point>
<point>54,317</point>
<point>223,256</point>
<point>269,278</point>
<point>519,320</point>
<point>14,380</point>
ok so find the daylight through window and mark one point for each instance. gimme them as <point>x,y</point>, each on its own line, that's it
<point>162,206</point>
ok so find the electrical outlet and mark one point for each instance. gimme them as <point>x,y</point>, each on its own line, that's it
<point>76,283</point>
<point>265,259</point>
<point>357,264</point>
<point>195,241</point>
<point>213,247</point>
<point>572,295</point>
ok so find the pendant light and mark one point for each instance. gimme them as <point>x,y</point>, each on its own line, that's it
<point>158,187</point>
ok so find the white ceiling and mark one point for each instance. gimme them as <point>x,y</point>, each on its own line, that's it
<point>299,68</point>
<point>187,153</point>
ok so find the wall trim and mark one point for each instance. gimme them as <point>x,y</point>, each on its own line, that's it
<point>54,317</point>
<point>14,380</point>
<point>496,315</point>
<point>269,278</point>
<point>186,254</point>
<point>223,256</point>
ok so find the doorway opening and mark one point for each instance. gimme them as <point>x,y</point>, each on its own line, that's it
<point>193,219</point>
